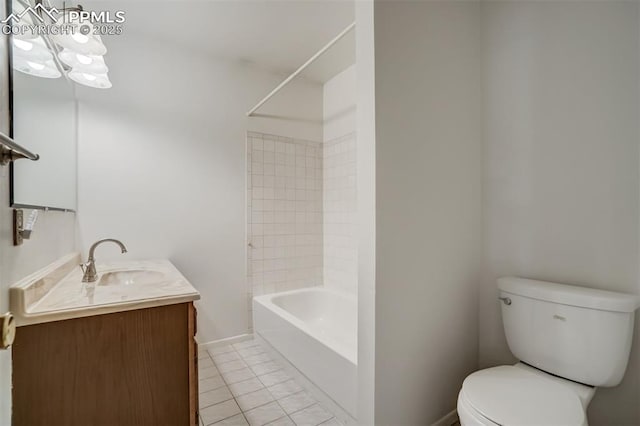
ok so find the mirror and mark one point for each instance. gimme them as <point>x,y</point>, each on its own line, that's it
<point>44,114</point>
<point>44,119</point>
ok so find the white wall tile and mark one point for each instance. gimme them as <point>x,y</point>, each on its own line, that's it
<point>285,221</point>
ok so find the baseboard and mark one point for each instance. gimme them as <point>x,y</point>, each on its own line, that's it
<point>448,420</point>
<point>226,341</point>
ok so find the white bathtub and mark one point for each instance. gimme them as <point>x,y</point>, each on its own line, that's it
<point>316,330</point>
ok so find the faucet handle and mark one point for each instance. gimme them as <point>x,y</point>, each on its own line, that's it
<point>83,266</point>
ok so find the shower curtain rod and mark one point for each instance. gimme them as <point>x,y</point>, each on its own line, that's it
<point>302,68</point>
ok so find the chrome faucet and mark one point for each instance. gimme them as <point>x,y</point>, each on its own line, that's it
<point>89,268</point>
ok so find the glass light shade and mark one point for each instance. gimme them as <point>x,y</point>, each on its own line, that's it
<point>32,50</point>
<point>45,69</point>
<point>97,81</point>
<point>85,44</point>
<point>91,64</point>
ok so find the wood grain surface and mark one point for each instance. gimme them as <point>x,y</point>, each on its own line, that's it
<point>129,368</point>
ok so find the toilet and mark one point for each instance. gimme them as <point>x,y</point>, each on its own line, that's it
<point>569,340</point>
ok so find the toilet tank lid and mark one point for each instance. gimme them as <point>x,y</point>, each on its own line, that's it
<point>572,295</point>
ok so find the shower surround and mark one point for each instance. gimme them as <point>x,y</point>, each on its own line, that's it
<point>301,233</point>
<point>284,214</point>
<point>301,213</point>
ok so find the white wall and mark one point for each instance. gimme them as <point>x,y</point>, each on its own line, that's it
<point>366,228</point>
<point>339,104</point>
<point>162,164</point>
<point>561,180</point>
<point>340,210</point>
<point>428,206</point>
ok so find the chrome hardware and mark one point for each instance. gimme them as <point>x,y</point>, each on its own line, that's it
<point>506,300</point>
<point>89,268</point>
<point>11,151</point>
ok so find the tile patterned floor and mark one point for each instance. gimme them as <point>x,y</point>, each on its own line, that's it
<point>241,385</point>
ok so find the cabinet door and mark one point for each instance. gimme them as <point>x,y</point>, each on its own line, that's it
<point>128,368</point>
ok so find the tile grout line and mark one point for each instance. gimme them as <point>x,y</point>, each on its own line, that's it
<point>277,401</point>
<point>227,386</point>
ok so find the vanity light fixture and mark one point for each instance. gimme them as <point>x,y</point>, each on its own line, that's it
<point>93,64</point>
<point>78,55</point>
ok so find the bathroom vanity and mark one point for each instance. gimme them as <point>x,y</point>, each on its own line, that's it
<point>120,351</point>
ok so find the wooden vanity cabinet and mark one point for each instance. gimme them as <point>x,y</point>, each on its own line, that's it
<point>127,368</point>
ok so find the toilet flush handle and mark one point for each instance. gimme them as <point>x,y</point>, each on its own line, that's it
<point>506,300</point>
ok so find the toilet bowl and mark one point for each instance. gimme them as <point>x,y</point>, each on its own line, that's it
<point>569,339</point>
<point>522,395</point>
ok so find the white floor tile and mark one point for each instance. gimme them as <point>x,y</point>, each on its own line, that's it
<point>225,367</point>
<point>211,383</point>
<point>205,363</point>
<point>226,357</point>
<point>311,416</point>
<point>283,421</point>
<point>220,411</point>
<point>332,422</point>
<point>254,399</point>
<point>203,354</point>
<point>245,344</point>
<point>251,351</point>
<point>237,420</point>
<point>265,367</point>
<point>215,396</point>
<point>205,373</point>
<point>284,389</point>
<point>257,359</point>
<point>220,350</point>
<point>296,402</point>
<point>247,386</point>
<point>264,414</point>
<point>236,376</point>
<point>274,378</point>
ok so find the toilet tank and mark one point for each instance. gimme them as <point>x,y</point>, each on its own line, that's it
<point>578,333</point>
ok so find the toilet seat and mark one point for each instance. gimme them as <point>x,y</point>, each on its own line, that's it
<point>508,395</point>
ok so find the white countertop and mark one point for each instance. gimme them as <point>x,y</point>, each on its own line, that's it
<point>57,292</point>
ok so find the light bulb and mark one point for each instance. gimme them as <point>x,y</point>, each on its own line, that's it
<point>23,45</point>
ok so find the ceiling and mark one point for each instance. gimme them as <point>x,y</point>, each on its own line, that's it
<point>275,35</point>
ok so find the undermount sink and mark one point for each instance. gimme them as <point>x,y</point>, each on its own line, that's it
<point>132,277</point>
